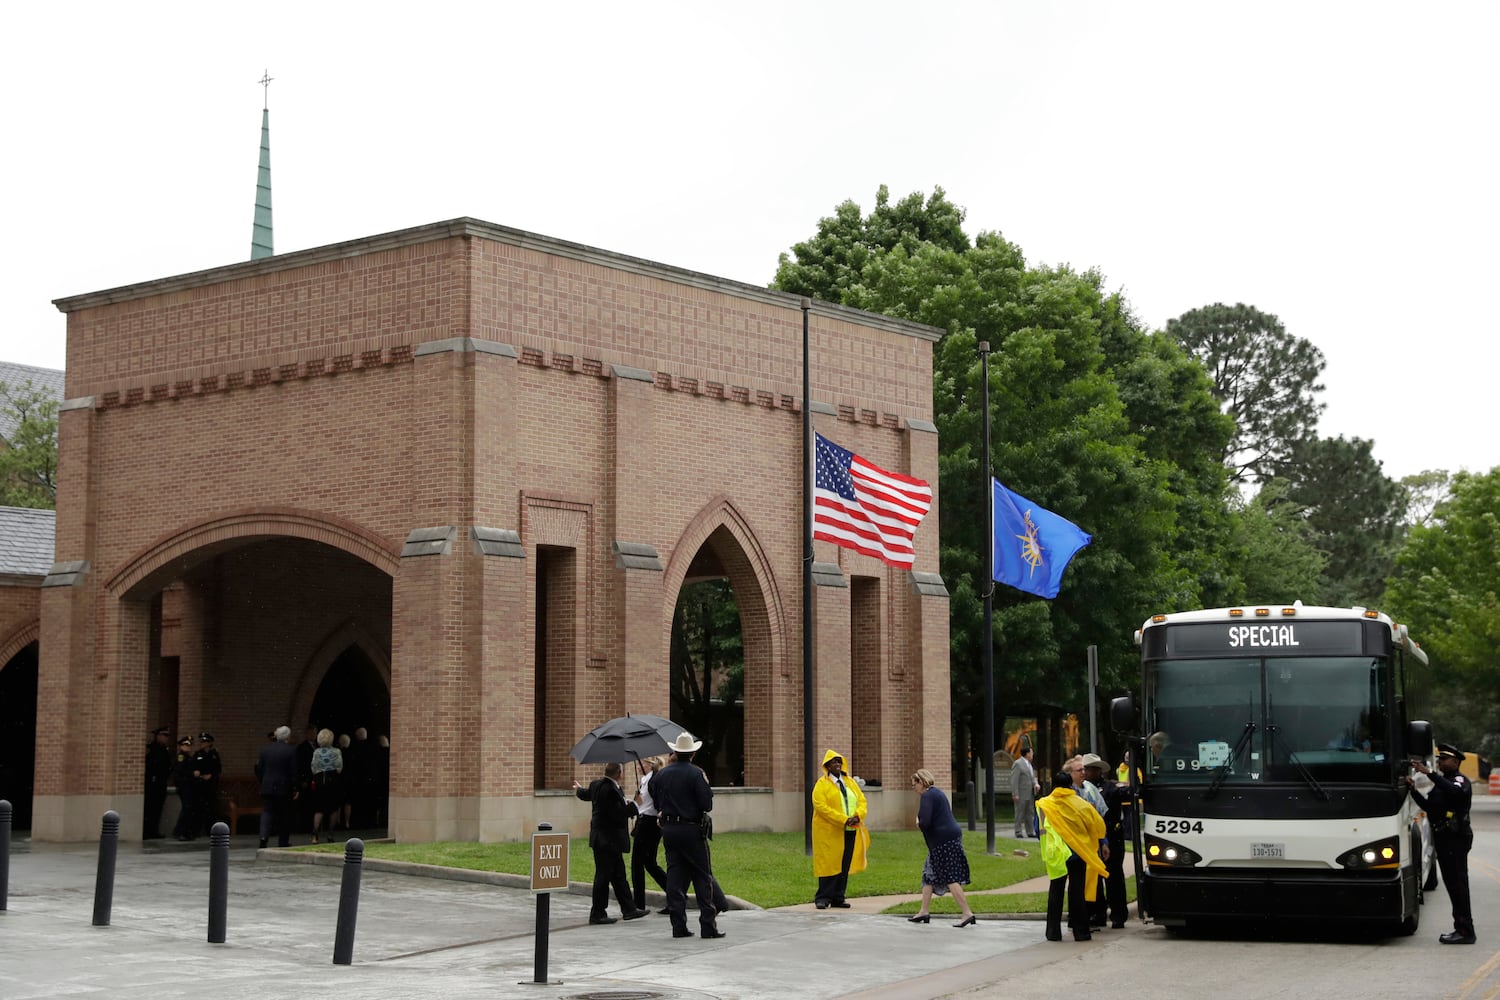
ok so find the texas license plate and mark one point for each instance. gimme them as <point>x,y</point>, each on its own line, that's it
<point>1268,850</point>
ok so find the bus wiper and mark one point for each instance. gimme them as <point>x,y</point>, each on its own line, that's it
<point>1222,771</point>
<point>1291,755</point>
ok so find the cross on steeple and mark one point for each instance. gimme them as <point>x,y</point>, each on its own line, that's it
<point>265,81</point>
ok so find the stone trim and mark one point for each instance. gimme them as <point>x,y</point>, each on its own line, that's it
<point>918,424</point>
<point>436,541</point>
<point>625,371</point>
<point>465,345</point>
<point>928,584</point>
<point>828,575</point>
<point>77,403</point>
<point>826,408</point>
<point>636,555</point>
<point>66,574</point>
<point>497,542</point>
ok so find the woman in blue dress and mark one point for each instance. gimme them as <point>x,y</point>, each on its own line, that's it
<point>947,867</point>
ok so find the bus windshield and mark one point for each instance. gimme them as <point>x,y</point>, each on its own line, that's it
<point>1256,719</point>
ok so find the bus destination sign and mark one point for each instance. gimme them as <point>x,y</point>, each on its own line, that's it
<point>1263,637</point>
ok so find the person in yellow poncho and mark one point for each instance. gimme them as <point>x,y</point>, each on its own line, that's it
<point>1075,850</point>
<point>839,835</point>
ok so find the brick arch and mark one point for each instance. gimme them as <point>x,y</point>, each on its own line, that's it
<point>350,633</point>
<point>763,623</point>
<point>19,640</point>
<point>165,558</point>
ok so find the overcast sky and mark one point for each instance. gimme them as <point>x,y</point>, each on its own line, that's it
<point>1331,163</point>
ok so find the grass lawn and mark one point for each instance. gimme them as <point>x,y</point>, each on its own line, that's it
<point>769,869</point>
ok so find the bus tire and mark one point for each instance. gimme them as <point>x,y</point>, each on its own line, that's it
<point>1409,924</point>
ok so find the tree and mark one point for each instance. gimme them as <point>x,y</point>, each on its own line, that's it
<point>1276,559</point>
<point>1353,511</point>
<point>707,663</point>
<point>1263,377</point>
<point>1447,588</point>
<point>1090,417</point>
<point>28,455</point>
<point>1424,492</point>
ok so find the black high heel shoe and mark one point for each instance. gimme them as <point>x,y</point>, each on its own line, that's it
<point>920,918</point>
<point>967,921</point>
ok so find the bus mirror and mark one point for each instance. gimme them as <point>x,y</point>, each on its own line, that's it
<point>1419,739</point>
<point>1122,714</point>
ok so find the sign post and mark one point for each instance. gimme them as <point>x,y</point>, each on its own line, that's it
<point>549,873</point>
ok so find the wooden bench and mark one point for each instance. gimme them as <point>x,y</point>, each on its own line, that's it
<point>239,797</point>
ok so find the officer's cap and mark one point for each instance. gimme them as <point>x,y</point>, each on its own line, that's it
<point>186,741</point>
<point>1449,750</point>
<point>205,737</point>
<point>160,731</point>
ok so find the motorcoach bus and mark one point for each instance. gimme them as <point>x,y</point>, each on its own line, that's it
<point>1269,763</point>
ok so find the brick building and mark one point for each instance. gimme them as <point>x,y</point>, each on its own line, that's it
<point>466,472</point>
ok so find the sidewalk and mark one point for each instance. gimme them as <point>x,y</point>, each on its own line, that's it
<point>426,937</point>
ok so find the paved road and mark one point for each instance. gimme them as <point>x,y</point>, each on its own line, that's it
<point>426,937</point>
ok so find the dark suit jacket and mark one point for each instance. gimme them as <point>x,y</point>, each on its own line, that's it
<point>610,825</point>
<point>277,768</point>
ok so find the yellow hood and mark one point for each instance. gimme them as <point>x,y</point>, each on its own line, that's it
<point>830,755</point>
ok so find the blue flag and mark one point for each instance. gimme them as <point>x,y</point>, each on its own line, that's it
<point>1032,546</point>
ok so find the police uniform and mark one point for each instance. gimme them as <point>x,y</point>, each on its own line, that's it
<point>1447,806</point>
<point>206,770</point>
<point>158,776</point>
<point>182,778</point>
<point>683,801</point>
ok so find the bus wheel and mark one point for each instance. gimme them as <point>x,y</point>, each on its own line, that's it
<point>1409,923</point>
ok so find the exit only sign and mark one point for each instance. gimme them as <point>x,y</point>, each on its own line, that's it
<point>549,862</point>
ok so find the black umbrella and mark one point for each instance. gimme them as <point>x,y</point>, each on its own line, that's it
<point>629,737</point>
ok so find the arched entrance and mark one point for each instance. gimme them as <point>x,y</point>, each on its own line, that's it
<point>18,680</point>
<point>352,695</point>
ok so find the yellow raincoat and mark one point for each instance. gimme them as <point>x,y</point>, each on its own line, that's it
<point>1080,827</point>
<point>829,816</point>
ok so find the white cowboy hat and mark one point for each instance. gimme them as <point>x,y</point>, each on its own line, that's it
<point>685,743</point>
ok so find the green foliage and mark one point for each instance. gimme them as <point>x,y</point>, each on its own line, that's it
<point>707,662</point>
<point>1274,551</point>
<point>1447,588</point>
<point>1352,510</point>
<point>1424,492</point>
<point>1264,378</point>
<point>28,459</point>
<point>1091,417</point>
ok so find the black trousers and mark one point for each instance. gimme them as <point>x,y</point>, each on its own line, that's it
<point>1078,914</point>
<point>186,813</point>
<point>687,861</point>
<point>831,888</point>
<point>643,858</point>
<point>609,870</point>
<point>1452,850</point>
<point>276,816</point>
<point>1114,886</point>
<point>156,798</point>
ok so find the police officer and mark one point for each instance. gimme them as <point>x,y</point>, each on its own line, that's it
<point>206,770</point>
<point>683,801</point>
<point>1447,806</point>
<point>1112,901</point>
<point>183,780</point>
<point>158,776</point>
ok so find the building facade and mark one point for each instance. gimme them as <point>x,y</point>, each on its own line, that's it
<point>468,470</point>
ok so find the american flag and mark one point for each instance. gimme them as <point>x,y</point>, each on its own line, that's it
<point>863,507</point>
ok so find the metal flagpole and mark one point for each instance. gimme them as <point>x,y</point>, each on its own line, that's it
<point>809,752</point>
<point>988,634</point>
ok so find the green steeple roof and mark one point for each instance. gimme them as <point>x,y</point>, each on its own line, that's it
<point>260,240</point>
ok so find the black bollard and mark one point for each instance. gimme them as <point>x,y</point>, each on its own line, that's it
<point>969,794</point>
<point>5,815</point>
<point>343,937</point>
<point>104,882</point>
<point>218,883</point>
<point>543,925</point>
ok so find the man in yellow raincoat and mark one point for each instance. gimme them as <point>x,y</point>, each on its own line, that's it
<point>839,834</point>
<point>1074,848</point>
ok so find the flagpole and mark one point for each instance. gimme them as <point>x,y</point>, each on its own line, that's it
<point>988,659</point>
<point>809,752</point>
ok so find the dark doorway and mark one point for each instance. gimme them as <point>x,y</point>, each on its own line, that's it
<point>351,695</point>
<point>708,669</point>
<point>18,734</point>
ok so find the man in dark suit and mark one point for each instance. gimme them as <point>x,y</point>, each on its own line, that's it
<point>609,837</point>
<point>277,770</point>
<point>158,777</point>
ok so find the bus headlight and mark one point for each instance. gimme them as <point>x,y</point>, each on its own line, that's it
<point>1166,854</point>
<point>1379,854</point>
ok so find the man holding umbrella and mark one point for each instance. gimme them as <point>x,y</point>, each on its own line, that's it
<point>609,837</point>
<point>684,800</point>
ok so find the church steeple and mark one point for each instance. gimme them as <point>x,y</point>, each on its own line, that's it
<point>260,240</point>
